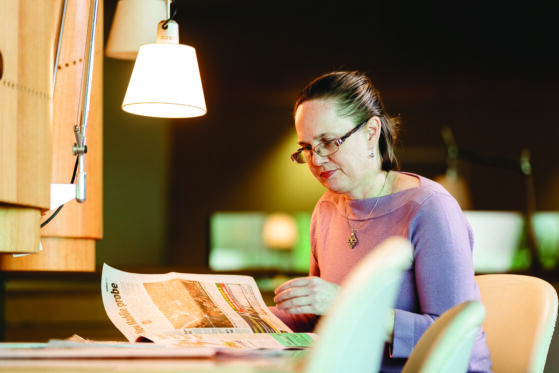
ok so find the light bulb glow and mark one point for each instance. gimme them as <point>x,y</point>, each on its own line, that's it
<point>280,231</point>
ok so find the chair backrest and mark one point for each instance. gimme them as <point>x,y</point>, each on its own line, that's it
<point>446,346</point>
<point>521,315</point>
<point>352,334</point>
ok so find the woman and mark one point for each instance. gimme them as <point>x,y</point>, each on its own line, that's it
<point>347,140</point>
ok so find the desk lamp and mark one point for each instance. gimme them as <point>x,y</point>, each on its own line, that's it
<point>166,81</point>
<point>521,165</point>
<point>131,27</point>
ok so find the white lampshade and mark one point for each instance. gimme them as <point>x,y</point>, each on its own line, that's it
<point>133,26</point>
<point>166,80</point>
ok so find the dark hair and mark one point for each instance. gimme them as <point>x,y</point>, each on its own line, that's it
<point>356,97</point>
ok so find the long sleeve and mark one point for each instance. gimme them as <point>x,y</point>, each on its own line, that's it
<point>443,274</point>
<point>443,270</point>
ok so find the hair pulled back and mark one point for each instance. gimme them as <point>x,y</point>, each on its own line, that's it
<point>357,98</point>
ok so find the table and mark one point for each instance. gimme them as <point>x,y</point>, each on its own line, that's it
<point>34,358</point>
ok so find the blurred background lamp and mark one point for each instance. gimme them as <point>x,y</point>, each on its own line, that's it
<point>166,80</point>
<point>132,27</point>
<point>280,231</point>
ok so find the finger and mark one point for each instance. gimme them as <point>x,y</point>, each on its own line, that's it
<point>300,281</point>
<point>296,282</point>
<point>302,309</point>
<point>297,306</point>
<point>291,293</point>
<point>293,303</point>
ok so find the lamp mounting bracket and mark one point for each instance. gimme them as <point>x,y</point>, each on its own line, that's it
<point>169,15</point>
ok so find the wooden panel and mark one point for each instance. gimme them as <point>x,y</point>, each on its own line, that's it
<point>28,32</point>
<point>58,254</point>
<point>78,219</point>
<point>27,45</point>
<point>69,239</point>
<point>19,229</point>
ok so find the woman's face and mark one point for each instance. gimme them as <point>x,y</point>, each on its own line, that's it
<point>350,170</point>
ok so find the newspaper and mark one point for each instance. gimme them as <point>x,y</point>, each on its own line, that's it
<point>194,310</point>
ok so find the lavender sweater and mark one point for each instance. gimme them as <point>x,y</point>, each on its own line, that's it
<point>442,273</point>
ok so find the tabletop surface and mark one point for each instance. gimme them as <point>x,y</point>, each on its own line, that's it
<point>30,357</point>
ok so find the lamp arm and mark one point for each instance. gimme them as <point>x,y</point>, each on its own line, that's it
<point>88,72</point>
<point>487,159</point>
<point>455,153</point>
<point>80,147</point>
<point>59,41</point>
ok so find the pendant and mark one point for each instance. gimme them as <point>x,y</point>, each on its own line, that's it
<point>352,240</point>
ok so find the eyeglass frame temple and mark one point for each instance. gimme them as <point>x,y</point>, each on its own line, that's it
<point>339,141</point>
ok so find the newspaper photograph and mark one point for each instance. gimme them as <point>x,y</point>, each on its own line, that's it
<point>180,309</point>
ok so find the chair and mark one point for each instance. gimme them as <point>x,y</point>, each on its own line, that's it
<point>521,314</point>
<point>352,334</point>
<point>446,346</point>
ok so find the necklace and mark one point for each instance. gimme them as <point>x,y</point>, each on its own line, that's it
<point>352,240</point>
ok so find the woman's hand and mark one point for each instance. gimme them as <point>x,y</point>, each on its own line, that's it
<point>305,295</point>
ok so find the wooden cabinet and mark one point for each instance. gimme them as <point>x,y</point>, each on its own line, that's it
<point>37,117</point>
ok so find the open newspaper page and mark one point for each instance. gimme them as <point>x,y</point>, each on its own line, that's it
<point>220,311</point>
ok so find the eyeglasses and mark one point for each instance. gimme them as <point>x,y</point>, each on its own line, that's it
<point>324,149</point>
